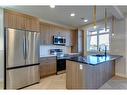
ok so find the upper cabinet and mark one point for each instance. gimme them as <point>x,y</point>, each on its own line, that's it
<point>31,23</point>
<point>69,38</point>
<point>20,21</point>
<point>45,34</point>
<point>47,31</point>
<point>74,41</point>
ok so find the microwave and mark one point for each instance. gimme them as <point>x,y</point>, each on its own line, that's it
<point>59,40</point>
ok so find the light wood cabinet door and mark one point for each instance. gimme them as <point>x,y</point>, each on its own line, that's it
<point>46,32</point>
<point>47,67</point>
<point>52,66</point>
<point>20,21</point>
<point>68,39</point>
<point>31,23</point>
<point>44,69</point>
<point>74,76</point>
<point>74,41</point>
<point>14,20</point>
<point>42,34</point>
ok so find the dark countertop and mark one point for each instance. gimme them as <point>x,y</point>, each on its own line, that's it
<point>94,60</point>
<point>63,57</point>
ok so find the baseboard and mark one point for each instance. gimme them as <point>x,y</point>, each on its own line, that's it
<point>121,75</point>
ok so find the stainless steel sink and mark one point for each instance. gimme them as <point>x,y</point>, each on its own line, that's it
<point>99,55</point>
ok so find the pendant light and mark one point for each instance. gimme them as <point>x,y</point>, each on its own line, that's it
<point>94,17</point>
<point>105,19</point>
<point>113,22</point>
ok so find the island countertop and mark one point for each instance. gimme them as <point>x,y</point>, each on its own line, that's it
<point>94,60</point>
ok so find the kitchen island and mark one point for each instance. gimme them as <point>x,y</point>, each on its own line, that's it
<point>89,72</point>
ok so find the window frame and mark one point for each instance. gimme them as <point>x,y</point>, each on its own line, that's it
<point>97,34</point>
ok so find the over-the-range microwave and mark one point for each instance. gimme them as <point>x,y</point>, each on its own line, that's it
<point>59,40</point>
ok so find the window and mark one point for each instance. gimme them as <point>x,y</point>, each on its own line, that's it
<point>97,39</point>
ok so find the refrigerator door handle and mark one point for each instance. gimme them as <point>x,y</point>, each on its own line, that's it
<point>24,50</point>
<point>27,46</point>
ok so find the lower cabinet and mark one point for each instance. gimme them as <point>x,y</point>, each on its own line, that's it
<point>47,66</point>
<point>85,76</point>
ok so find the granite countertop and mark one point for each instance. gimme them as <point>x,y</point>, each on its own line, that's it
<point>94,60</point>
<point>62,56</point>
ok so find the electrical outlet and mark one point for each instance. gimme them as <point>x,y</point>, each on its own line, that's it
<point>81,67</point>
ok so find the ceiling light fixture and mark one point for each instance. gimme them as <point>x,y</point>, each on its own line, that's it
<point>113,23</point>
<point>94,17</point>
<point>52,6</point>
<point>72,14</point>
<point>85,20</point>
<point>105,19</point>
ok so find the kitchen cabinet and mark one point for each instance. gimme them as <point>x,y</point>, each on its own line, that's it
<point>68,39</point>
<point>85,76</point>
<point>42,33</point>
<point>47,31</point>
<point>74,76</point>
<point>20,21</point>
<point>74,41</point>
<point>47,66</point>
<point>31,23</point>
<point>14,20</point>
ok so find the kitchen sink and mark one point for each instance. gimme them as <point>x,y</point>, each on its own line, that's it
<point>99,55</point>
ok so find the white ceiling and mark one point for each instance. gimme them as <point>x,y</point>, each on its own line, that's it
<point>61,14</point>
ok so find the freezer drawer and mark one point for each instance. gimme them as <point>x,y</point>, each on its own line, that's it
<point>21,77</point>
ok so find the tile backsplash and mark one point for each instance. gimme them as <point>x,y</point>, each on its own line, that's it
<point>45,49</point>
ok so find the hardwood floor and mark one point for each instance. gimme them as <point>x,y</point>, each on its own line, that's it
<point>59,82</point>
<point>51,82</point>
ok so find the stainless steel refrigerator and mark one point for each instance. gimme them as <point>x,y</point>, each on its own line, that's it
<point>21,58</point>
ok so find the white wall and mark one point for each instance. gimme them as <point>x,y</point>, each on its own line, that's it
<point>45,49</point>
<point>1,46</point>
<point>118,47</point>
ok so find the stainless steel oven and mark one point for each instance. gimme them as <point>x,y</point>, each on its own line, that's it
<point>61,66</point>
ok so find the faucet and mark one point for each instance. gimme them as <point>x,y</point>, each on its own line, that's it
<point>105,49</point>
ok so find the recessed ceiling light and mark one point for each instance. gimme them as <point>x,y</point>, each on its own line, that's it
<point>85,20</point>
<point>72,14</point>
<point>52,6</point>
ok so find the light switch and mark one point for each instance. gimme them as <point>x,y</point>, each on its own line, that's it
<point>81,67</point>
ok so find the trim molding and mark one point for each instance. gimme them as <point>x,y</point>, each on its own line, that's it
<point>57,24</point>
<point>121,75</point>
